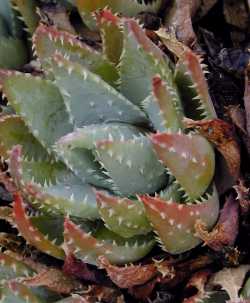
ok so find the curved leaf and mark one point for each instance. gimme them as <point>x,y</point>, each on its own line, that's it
<point>174,223</point>
<point>189,158</point>
<point>117,250</point>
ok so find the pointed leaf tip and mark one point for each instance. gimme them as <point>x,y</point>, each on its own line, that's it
<point>174,223</point>
<point>124,216</point>
<point>190,159</point>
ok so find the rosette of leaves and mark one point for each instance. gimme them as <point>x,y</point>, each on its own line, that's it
<point>98,148</point>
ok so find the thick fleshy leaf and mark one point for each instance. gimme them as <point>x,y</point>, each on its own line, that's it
<point>47,40</point>
<point>123,216</point>
<point>163,106</point>
<point>69,197</point>
<point>30,233</point>
<point>193,87</point>
<point>41,172</point>
<point>128,8</point>
<point>189,158</point>
<point>111,33</point>
<point>28,13</point>
<point>141,60</point>
<point>132,165</point>
<point>117,250</point>
<point>174,223</point>
<point>13,131</point>
<point>128,276</point>
<point>89,98</point>
<point>76,149</point>
<point>172,191</point>
<point>43,111</point>
<point>82,163</point>
<point>87,136</point>
<point>13,53</point>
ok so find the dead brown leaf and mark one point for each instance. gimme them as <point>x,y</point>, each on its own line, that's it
<point>231,280</point>
<point>198,280</point>
<point>98,293</point>
<point>247,102</point>
<point>237,115</point>
<point>242,196</point>
<point>180,17</point>
<point>222,135</point>
<point>77,269</point>
<point>226,230</point>
<point>55,280</point>
<point>128,276</point>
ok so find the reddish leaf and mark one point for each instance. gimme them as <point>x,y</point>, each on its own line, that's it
<point>128,276</point>
<point>222,135</point>
<point>189,158</point>
<point>225,231</point>
<point>149,47</point>
<point>111,33</point>
<point>31,234</point>
<point>174,223</point>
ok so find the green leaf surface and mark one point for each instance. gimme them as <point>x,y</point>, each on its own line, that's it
<point>104,242</point>
<point>69,197</point>
<point>13,53</point>
<point>111,33</point>
<point>43,110</point>
<point>163,106</point>
<point>189,158</point>
<point>140,61</point>
<point>47,40</point>
<point>128,8</point>
<point>123,216</point>
<point>28,13</point>
<point>89,99</point>
<point>13,131</point>
<point>132,165</point>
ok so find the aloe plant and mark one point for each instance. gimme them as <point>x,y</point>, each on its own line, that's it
<point>97,146</point>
